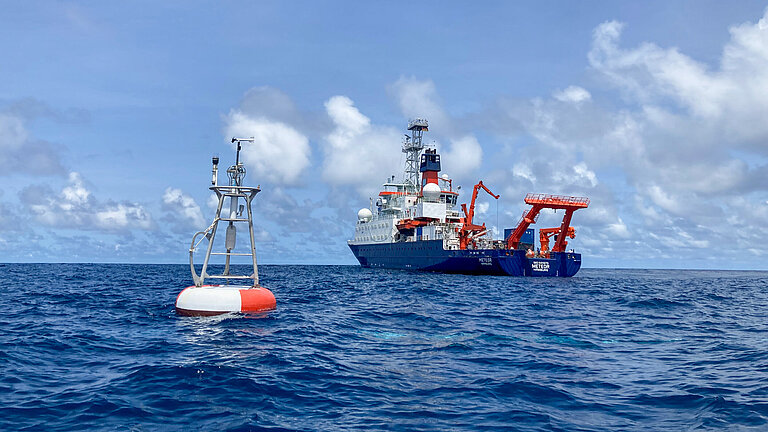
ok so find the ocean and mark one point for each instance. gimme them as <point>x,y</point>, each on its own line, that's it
<point>99,347</point>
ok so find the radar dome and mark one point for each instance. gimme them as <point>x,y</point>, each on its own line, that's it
<point>445,177</point>
<point>364,215</point>
<point>431,192</point>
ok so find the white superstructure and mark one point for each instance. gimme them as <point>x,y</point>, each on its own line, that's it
<point>415,209</point>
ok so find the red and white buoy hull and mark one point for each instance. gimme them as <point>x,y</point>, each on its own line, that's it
<point>210,300</point>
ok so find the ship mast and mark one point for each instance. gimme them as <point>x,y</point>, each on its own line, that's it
<point>412,147</point>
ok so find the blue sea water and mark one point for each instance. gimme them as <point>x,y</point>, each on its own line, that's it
<point>99,347</point>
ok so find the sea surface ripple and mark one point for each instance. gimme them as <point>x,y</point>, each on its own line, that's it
<point>99,347</point>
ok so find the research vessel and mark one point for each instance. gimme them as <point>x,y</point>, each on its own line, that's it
<point>415,224</point>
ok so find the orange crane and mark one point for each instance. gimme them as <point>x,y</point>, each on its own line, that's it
<point>469,231</point>
<point>541,201</point>
<point>546,233</point>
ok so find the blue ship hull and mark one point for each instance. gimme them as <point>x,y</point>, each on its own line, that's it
<point>429,255</point>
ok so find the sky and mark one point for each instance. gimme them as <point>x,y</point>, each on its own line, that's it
<point>110,113</point>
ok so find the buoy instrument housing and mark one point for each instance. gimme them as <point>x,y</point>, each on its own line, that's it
<point>205,300</point>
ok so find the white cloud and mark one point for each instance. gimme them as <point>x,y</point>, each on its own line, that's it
<point>12,133</point>
<point>578,174</point>
<point>271,103</point>
<point>358,153</point>
<point>120,216</point>
<point>279,153</point>
<point>619,229</point>
<point>418,98</point>
<point>75,207</point>
<point>482,208</point>
<point>574,94</point>
<point>682,142</point>
<point>176,201</point>
<point>677,238</point>
<point>523,171</point>
<point>463,157</point>
<point>75,194</point>
<point>690,116</point>
<point>582,171</point>
<point>21,154</point>
<point>732,99</point>
<point>213,202</point>
<point>343,112</point>
<point>683,139</point>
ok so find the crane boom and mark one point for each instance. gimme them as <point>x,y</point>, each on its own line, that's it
<point>469,230</point>
<point>470,215</point>
<point>546,233</point>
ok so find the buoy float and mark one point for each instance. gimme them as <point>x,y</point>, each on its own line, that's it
<point>207,300</point>
<point>211,300</point>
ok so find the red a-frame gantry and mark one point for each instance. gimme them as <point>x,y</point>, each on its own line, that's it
<point>541,201</point>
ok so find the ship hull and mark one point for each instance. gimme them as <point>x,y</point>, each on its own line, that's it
<point>429,255</point>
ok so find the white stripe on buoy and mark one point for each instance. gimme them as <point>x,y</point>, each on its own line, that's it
<point>217,299</point>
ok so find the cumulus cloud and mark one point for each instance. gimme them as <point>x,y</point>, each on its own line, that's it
<point>578,175</point>
<point>618,229</point>
<point>75,207</point>
<point>732,98</point>
<point>690,117</point>
<point>679,151</point>
<point>119,216</point>
<point>418,98</point>
<point>463,157</point>
<point>7,218</point>
<point>212,202</point>
<point>481,208</point>
<point>463,154</point>
<point>523,171</point>
<point>357,152</point>
<point>22,154</point>
<point>573,94</point>
<point>280,153</point>
<point>268,102</point>
<point>183,207</point>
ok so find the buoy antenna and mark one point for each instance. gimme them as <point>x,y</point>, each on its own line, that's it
<point>236,172</point>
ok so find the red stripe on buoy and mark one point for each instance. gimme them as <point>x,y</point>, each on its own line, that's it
<point>256,299</point>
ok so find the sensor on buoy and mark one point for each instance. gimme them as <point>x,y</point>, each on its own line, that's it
<point>206,300</point>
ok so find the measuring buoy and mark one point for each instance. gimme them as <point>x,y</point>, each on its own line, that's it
<point>211,300</point>
<point>206,300</point>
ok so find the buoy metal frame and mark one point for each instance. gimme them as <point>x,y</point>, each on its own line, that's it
<point>234,193</point>
<point>206,300</point>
